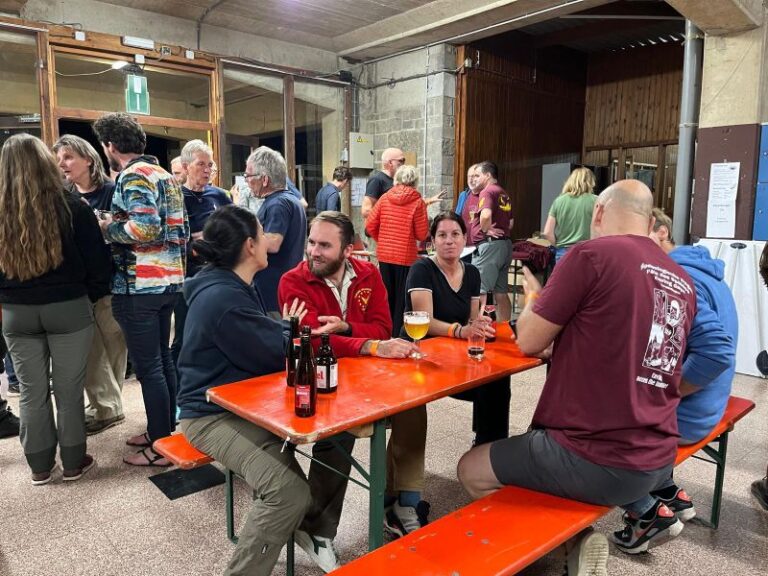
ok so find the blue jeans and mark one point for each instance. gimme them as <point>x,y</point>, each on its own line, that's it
<point>146,323</point>
<point>9,370</point>
<point>560,252</point>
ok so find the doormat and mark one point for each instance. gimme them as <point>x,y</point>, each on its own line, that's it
<point>179,483</point>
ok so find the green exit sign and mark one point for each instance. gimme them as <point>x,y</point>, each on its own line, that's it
<point>136,95</point>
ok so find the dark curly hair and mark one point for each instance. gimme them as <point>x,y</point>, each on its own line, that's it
<point>123,131</point>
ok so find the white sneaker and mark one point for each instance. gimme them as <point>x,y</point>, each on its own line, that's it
<point>320,549</point>
<point>589,555</point>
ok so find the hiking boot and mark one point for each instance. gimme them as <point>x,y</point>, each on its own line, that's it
<point>589,555</point>
<point>9,425</point>
<point>76,473</point>
<point>402,520</point>
<point>653,528</point>
<point>13,389</point>
<point>680,504</point>
<point>40,478</point>
<point>320,549</point>
<point>94,426</point>
<point>760,491</point>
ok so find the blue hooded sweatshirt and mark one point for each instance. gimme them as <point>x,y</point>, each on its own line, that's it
<point>227,338</point>
<point>710,356</point>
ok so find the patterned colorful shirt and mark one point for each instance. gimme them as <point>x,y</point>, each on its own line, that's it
<point>149,231</point>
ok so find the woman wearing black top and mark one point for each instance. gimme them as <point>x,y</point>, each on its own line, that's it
<point>53,260</point>
<point>449,289</point>
<point>84,172</point>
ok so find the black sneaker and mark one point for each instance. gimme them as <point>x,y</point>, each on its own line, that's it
<point>680,504</point>
<point>9,424</point>
<point>760,491</point>
<point>13,389</point>
<point>639,534</point>
<point>402,520</point>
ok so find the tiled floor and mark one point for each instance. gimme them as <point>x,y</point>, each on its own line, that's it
<point>114,521</point>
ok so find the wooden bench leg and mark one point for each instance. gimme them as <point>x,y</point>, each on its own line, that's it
<point>719,456</point>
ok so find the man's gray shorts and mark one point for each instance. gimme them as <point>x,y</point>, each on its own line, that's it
<point>492,260</point>
<point>535,461</point>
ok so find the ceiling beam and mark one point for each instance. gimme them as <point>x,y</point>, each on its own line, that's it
<point>722,16</point>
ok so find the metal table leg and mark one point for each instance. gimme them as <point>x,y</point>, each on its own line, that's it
<point>377,486</point>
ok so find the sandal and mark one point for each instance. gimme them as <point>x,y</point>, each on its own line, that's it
<point>140,441</point>
<point>147,457</point>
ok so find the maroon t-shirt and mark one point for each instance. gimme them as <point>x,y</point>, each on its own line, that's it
<point>613,387</point>
<point>470,217</point>
<point>494,197</point>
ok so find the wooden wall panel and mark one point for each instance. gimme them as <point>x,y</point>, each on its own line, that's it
<point>520,109</point>
<point>633,97</point>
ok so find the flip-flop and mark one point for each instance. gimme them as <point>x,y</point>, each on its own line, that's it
<point>151,459</point>
<point>144,443</point>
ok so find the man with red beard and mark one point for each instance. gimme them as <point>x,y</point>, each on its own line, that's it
<point>345,297</point>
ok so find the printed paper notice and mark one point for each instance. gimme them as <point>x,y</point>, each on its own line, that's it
<point>721,207</point>
<point>358,191</point>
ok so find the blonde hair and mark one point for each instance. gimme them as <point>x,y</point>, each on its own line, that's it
<point>407,175</point>
<point>83,148</point>
<point>33,209</point>
<point>661,220</point>
<point>581,181</point>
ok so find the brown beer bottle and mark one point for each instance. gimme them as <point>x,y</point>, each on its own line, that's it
<point>327,367</point>
<point>291,354</point>
<point>305,397</point>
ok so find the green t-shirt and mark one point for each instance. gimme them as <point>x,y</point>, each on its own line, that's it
<point>573,215</point>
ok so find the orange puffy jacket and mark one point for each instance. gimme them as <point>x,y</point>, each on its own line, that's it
<point>396,222</point>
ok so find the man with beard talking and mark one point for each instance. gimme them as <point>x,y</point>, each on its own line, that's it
<point>345,297</point>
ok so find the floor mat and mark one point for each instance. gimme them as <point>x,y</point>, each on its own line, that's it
<point>179,483</point>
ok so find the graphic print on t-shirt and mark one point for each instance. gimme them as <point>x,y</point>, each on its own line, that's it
<point>665,343</point>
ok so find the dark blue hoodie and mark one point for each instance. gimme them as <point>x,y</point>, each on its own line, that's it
<point>227,338</point>
<point>710,356</point>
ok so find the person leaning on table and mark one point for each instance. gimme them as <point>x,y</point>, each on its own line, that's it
<point>345,298</point>
<point>229,337</point>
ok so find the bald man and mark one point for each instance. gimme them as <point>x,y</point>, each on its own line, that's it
<point>382,180</point>
<point>604,431</point>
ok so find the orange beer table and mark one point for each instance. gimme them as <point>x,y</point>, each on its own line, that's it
<point>370,390</point>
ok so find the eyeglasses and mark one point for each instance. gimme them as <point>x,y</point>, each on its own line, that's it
<point>248,176</point>
<point>398,160</point>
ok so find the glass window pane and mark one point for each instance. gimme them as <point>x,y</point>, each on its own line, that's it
<point>90,83</point>
<point>19,91</point>
<point>319,113</point>
<point>253,114</point>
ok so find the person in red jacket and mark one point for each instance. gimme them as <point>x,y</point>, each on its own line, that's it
<point>345,298</point>
<point>396,222</point>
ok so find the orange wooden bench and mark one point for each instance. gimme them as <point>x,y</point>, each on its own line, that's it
<point>177,449</point>
<point>505,532</point>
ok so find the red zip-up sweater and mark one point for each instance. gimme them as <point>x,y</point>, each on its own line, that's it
<point>367,305</point>
<point>396,222</point>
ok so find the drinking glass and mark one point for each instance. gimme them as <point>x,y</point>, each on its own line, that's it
<point>416,326</point>
<point>476,339</point>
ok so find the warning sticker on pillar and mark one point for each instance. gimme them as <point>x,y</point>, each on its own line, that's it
<point>136,94</point>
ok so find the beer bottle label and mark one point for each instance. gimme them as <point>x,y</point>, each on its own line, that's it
<point>322,382</point>
<point>333,376</point>
<point>302,396</point>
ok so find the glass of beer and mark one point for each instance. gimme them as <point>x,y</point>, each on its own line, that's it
<point>476,339</point>
<point>416,326</point>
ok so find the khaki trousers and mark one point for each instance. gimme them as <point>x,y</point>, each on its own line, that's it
<point>281,493</point>
<point>405,451</point>
<point>107,360</point>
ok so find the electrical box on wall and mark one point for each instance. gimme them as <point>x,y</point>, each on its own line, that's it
<point>360,150</point>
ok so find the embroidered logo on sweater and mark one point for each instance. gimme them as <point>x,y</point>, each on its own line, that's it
<point>362,297</point>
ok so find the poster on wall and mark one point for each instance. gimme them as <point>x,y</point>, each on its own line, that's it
<point>358,191</point>
<point>721,206</point>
